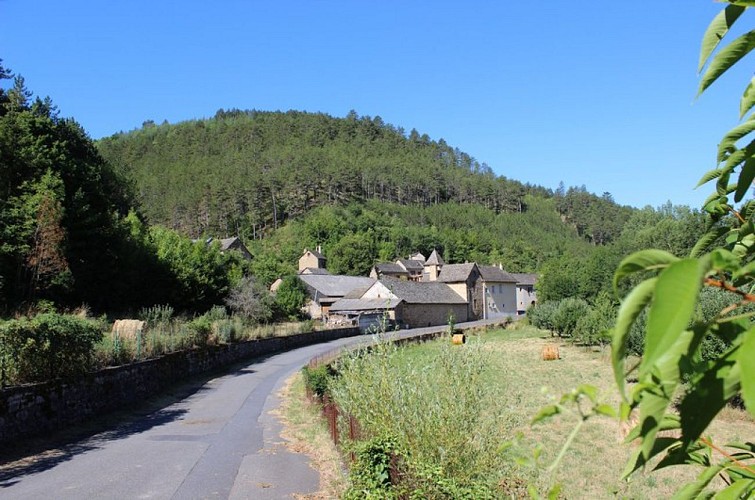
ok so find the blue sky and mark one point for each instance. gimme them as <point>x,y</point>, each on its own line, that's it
<point>593,93</point>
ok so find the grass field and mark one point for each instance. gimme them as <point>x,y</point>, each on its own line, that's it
<point>524,383</point>
<point>592,466</point>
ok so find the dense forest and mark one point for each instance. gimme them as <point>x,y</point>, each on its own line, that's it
<point>246,172</point>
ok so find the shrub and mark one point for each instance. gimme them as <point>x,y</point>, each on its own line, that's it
<point>46,347</point>
<point>156,315</point>
<point>318,379</point>
<point>439,409</point>
<point>200,329</point>
<point>594,327</point>
<point>541,315</point>
<point>569,311</point>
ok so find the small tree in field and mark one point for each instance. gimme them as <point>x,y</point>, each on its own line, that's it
<point>250,300</point>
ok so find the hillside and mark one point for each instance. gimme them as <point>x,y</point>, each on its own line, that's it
<point>245,172</point>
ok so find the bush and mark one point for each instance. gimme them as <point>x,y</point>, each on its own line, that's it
<point>541,315</point>
<point>317,380</point>
<point>594,328</point>
<point>567,315</point>
<point>200,329</point>
<point>46,347</point>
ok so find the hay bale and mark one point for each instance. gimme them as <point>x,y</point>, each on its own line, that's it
<point>127,328</point>
<point>458,339</point>
<point>550,352</point>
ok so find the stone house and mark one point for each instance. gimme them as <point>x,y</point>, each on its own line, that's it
<point>414,267</point>
<point>525,291</point>
<point>235,244</point>
<point>229,244</point>
<point>466,281</point>
<point>312,260</point>
<point>409,303</point>
<point>325,289</point>
<point>499,290</point>
<point>432,267</point>
<point>389,269</point>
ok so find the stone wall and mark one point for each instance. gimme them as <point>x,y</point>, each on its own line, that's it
<point>40,409</point>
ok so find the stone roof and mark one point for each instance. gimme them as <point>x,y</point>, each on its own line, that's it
<point>363,305</point>
<point>422,292</point>
<point>525,279</point>
<point>357,292</point>
<point>314,270</point>
<point>334,285</point>
<point>435,259</point>
<point>496,274</point>
<point>227,243</point>
<point>411,265</point>
<point>418,256</point>
<point>390,268</point>
<point>456,273</point>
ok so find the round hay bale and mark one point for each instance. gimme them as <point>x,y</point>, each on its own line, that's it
<point>550,352</point>
<point>458,339</point>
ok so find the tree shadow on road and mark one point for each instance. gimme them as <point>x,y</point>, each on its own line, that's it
<point>30,456</point>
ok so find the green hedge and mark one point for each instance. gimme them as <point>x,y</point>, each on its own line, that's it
<point>46,347</point>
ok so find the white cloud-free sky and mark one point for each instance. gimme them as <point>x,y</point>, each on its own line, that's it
<point>593,93</point>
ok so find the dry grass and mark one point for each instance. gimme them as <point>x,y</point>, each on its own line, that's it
<point>304,432</point>
<point>593,465</point>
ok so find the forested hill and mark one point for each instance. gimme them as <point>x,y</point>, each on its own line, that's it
<point>245,172</point>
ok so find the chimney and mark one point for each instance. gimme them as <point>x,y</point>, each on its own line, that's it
<point>319,249</point>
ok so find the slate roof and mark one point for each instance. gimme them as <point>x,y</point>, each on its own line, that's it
<point>496,274</point>
<point>227,243</point>
<point>357,292</point>
<point>456,273</point>
<point>411,265</point>
<point>390,268</point>
<point>344,305</point>
<point>418,256</point>
<point>435,259</point>
<point>334,285</point>
<point>422,292</point>
<point>525,279</point>
<point>314,270</point>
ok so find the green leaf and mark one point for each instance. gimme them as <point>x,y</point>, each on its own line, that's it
<point>672,308</point>
<point>606,410</point>
<point>736,490</point>
<point>717,29</point>
<point>743,274</point>
<point>694,489</point>
<point>746,361</point>
<point>726,58</point>
<point>728,143</point>
<point>637,459</point>
<point>644,260</point>
<point>722,260</point>
<point>555,492</point>
<point>707,396</point>
<point>748,99</point>
<point>546,413</point>
<point>631,307</point>
<point>745,179</point>
<point>710,175</point>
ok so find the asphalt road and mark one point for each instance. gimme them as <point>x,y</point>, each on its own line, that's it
<point>218,440</point>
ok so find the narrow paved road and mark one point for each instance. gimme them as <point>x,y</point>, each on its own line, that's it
<point>218,442</point>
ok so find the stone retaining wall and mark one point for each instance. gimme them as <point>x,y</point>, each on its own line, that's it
<point>40,409</point>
